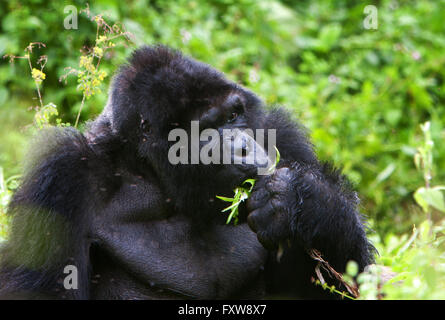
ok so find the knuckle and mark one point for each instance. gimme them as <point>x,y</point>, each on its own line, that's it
<point>276,203</point>
<point>257,199</point>
<point>252,221</point>
<point>260,218</point>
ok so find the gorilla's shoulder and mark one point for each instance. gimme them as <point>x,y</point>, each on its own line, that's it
<point>61,165</point>
<point>55,143</point>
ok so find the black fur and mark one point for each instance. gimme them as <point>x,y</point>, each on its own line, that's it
<point>136,227</point>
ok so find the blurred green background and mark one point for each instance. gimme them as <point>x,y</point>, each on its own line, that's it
<point>362,93</point>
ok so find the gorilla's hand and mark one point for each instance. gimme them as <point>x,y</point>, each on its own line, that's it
<point>272,207</point>
<point>310,205</point>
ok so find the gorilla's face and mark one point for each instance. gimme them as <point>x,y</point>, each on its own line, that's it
<point>185,118</point>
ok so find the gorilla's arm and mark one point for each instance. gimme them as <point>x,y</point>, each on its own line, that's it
<point>307,205</point>
<point>49,220</point>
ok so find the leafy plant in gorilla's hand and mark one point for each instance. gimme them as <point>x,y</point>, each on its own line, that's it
<point>242,193</point>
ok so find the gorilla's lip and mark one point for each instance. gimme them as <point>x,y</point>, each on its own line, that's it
<point>248,171</point>
<point>239,173</point>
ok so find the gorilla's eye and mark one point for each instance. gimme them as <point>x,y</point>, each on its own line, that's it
<point>234,105</point>
<point>233,116</point>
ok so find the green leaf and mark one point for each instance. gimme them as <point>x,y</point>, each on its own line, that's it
<point>352,268</point>
<point>232,206</point>
<point>382,176</point>
<point>430,197</point>
<point>419,196</point>
<point>436,199</point>
<point>277,159</point>
<point>225,199</point>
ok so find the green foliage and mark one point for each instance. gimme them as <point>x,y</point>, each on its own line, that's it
<point>428,196</point>
<point>6,187</point>
<point>418,263</point>
<point>419,260</point>
<point>43,116</point>
<point>89,75</point>
<point>242,193</point>
<point>44,113</point>
<point>333,290</point>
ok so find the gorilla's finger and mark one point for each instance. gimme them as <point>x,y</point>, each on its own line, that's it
<point>260,218</point>
<point>257,199</point>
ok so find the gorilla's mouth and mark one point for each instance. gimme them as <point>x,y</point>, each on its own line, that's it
<point>244,172</point>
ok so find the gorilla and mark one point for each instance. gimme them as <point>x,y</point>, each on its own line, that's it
<point>104,214</point>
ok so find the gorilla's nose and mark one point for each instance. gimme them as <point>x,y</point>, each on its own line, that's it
<point>242,148</point>
<point>248,151</point>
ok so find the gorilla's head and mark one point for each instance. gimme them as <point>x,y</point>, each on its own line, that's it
<point>160,94</point>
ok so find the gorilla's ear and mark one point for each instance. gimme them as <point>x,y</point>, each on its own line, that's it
<point>50,224</point>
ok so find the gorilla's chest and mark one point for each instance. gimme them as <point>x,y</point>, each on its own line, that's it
<point>166,258</point>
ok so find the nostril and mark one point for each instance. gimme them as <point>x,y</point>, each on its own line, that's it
<point>244,148</point>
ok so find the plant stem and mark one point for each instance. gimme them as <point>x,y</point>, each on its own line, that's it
<point>37,85</point>
<point>80,110</point>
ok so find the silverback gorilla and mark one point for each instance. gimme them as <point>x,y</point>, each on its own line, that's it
<point>109,204</point>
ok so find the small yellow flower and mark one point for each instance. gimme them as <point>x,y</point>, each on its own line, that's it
<point>38,75</point>
<point>101,39</point>
<point>85,61</point>
<point>101,76</point>
<point>98,52</point>
<point>95,82</point>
